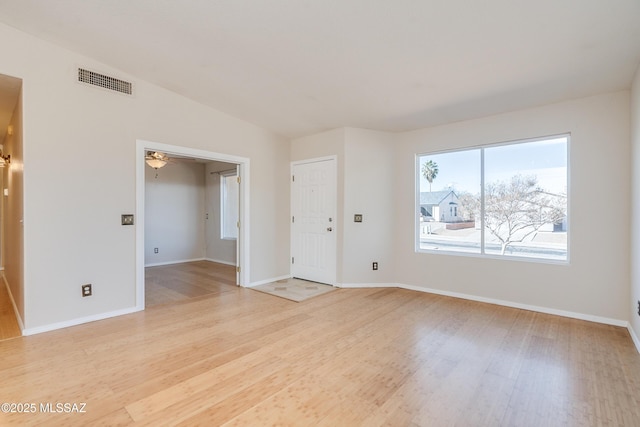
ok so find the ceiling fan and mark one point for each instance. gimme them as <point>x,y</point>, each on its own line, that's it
<point>156,159</point>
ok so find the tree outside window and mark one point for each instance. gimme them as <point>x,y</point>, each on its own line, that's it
<point>521,211</point>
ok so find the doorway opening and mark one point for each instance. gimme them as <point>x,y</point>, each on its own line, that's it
<point>11,209</point>
<point>158,245</point>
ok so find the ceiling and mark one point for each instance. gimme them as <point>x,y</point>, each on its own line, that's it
<point>297,67</point>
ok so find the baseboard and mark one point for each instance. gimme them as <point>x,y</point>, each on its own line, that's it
<point>634,337</point>
<point>219,261</point>
<point>79,321</point>
<point>264,282</point>
<point>563,313</point>
<point>182,261</point>
<point>546,310</point>
<point>13,304</point>
<point>367,285</point>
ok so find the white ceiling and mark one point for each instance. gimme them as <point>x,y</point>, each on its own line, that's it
<point>301,66</point>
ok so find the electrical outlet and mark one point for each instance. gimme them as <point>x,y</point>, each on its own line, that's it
<point>86,290</point>
<point>126,219</point>
<point>375,265</point>
<point>155,250</point>
<point>639,307</point>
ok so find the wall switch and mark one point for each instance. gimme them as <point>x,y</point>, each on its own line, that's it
<point>375,265</point>
<point>127,219</point>
<point>86,290</point>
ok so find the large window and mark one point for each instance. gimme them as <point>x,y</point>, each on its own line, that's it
<point>499,200</point>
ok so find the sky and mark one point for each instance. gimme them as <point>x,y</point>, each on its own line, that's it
<point>460,170</point>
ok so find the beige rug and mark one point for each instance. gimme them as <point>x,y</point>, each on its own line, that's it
<point>294,289</point>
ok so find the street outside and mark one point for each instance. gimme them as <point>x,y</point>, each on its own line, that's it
<point>541,244</point>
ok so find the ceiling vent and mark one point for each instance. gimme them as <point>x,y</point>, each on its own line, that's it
<point>103,81</point>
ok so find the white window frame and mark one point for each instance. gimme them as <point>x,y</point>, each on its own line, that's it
<point>482,253</point>
<point>224,213</point>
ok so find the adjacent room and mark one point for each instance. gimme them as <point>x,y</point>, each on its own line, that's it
<point>460,180</point>
<point>191,214</point>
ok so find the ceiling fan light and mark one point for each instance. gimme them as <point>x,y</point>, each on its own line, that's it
<point>156,163</point>
<point>4,160</point>
<point>155,159</point>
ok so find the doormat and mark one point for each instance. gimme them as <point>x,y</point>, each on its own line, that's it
<point>294,289</point>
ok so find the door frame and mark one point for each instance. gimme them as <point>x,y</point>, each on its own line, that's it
<point>243,164</point>
<point>337,224</point>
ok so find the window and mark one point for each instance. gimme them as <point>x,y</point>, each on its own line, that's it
<point>507,200</point>
<point>229,205</point>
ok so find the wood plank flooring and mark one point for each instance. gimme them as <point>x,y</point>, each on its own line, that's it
<point>176,283</point>
<point>352,357</point>
<point>9,327</point>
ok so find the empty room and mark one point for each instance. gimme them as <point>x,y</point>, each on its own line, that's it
<point>334,213</point>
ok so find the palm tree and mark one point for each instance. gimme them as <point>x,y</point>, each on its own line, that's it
<point>430,171</point>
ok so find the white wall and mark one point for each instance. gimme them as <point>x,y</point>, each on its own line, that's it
<point>635,209</point>
<point>369,187</point>
<point>79,177</point>
<point>174,213</point>
<point>366,184</point>
<point>218,249</point>
<point>596,281</point>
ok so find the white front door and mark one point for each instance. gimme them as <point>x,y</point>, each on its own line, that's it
<point>313,222</point>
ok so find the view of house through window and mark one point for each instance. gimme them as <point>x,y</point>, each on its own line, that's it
<point>229,205</point>
<point>500,200</point>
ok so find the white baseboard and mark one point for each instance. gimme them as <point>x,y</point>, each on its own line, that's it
<point>563,313</point>
<point>264,282</point>
<point>181,261</point>
<point>13,304</point>
<point>79,321</point>
<point>634,337</point>
<point>219,261</point>
<point>368,285</point>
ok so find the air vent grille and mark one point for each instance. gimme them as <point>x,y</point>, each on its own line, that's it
<point>106,82</point>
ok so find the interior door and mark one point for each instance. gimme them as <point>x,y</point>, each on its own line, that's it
<point>313,221</point>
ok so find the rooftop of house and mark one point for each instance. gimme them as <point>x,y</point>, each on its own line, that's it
<point>434,197</point>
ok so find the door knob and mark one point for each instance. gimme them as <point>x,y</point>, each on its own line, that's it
<point>329,229</point>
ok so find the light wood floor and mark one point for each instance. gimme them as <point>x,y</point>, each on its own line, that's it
<point>177,283</point>
<point>9,327</point>
<point>351,357</point>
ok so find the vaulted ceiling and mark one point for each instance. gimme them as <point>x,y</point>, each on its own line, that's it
<point>301,66</point>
